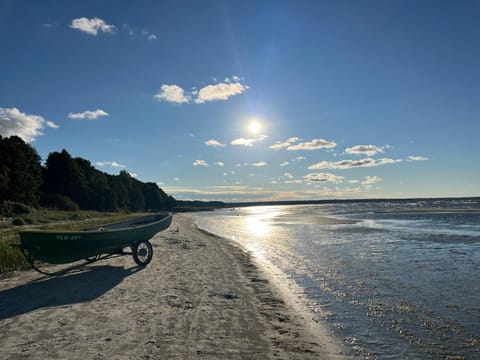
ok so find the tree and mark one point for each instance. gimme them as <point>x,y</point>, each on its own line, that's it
<point>64,176</point>
<point>20,171</point>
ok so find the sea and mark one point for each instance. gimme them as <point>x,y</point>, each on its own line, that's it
<point>389,279</point>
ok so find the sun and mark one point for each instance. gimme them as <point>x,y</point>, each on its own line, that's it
<point>254,127</point>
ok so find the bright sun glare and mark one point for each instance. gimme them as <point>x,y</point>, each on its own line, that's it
<point>254,127</point>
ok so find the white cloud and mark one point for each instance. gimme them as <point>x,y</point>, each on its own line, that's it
<point>247,142</point>
<point>109,163</point>
<point>280,145</point>
<point>92,26</point>
<point>285,163</point>
<point>213,92</point>
<point>293,181</point>
<point>368,150</point>
<point>213,142</point>
<point>315,144</point>
<point>348,164</point>
<point>369,180</point>
<point>91,115</point>
<point>299,158</point>
<point>384,161</point>
<point>199,163</point>
<point>219,163</point>
<point>132,174</point>
<point>26,126</point>
<point>251,174</point>
<point>51,124</point>
<point>152,37</point>
<point>324,177</point>
<point>259,164</point>
<point>288,175</point>
<point>221,91</point>
<point>172,93</point>
<point>242,141</point>
<point>417,158</point>
<point>353,181</point>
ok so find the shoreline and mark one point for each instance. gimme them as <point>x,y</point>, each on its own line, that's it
<point>201,297</point>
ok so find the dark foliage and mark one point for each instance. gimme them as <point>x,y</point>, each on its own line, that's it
<point>68,183</point>
<point>20,171</point>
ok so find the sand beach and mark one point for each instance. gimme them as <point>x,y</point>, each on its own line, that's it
<point>202,297</point>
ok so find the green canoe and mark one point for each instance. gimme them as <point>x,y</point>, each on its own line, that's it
<point>61,247</point>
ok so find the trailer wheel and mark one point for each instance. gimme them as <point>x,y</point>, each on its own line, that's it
<point>142,253</point>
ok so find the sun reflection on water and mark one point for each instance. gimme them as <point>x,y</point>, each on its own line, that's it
<point>257,227</point>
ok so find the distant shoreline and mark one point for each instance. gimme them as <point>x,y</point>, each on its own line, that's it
<point>430,211</point>
<point>190,205</point>
<point>345,201</point>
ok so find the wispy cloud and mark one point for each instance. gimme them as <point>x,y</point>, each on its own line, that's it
<point>50,25</point>
<point>280,145</point>
<point>92,26</point>
<point>417,158</point>
<point>369,180</point>
<point>217,191</point>
<point>172,94</point>
<point>260,164</point>
<point>213,92</point>
<point>315,144</point>
<point>113,164</point>
<point>26,126</point>
<point>90,115</point>
<point>368,150</point>
<point>213,142</point>
<point>348,164</point>
<point>285,163</point>
<point>138,32</point>
<point>295,181</point>
<point>200,163</point>
<point>240,192</point>
<point>288,175</point>
<point>324,177</point>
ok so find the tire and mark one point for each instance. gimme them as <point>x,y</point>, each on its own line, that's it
<point>142,253</point>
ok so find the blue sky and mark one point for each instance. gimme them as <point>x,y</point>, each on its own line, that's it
<point>351,99</point>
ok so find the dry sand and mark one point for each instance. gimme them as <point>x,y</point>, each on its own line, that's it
<point>201,297</point>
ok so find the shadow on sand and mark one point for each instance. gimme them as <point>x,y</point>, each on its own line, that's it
<point>62,290</point>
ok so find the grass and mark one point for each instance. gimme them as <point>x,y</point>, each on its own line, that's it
<point>11,258</point>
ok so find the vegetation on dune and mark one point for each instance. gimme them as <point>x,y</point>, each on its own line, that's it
<point>68,183</point>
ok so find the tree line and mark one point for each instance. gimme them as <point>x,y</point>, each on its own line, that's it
<point>69,183</point>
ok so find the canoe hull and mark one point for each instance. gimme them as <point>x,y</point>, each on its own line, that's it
<point>61,247</point>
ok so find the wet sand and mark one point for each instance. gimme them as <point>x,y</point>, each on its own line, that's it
<point>201,297</point>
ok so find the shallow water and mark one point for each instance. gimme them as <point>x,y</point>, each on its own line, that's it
<point>390,285</point>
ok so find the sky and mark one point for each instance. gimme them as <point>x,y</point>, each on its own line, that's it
<point>252,100</point>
